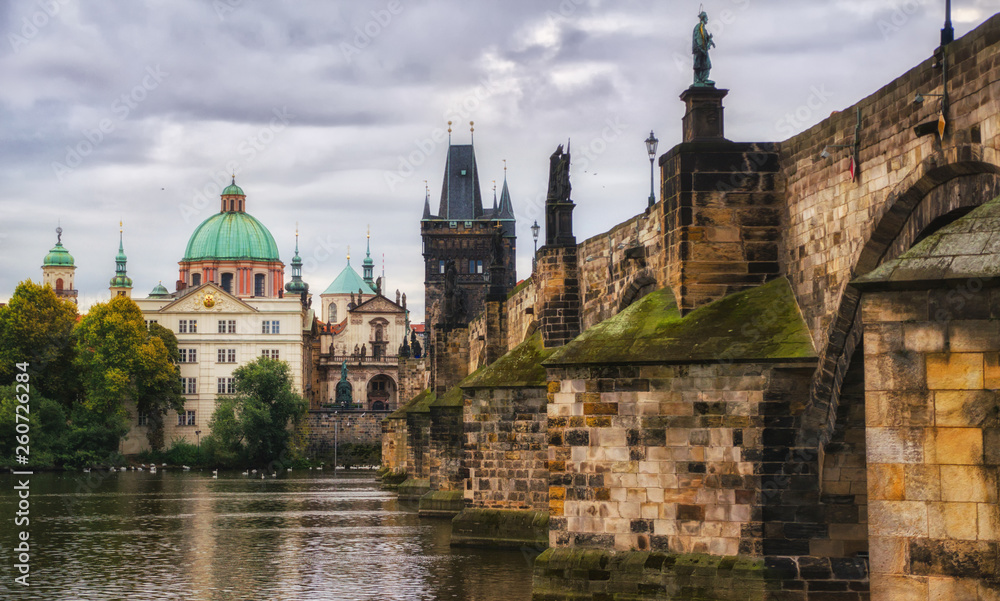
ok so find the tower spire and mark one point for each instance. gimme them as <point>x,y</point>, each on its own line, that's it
<point>427,201</point>
<point>121,284</point>
<point>368,265</point>
<point>296,285</point>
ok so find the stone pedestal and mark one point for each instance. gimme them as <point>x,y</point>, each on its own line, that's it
<point>703,119</point>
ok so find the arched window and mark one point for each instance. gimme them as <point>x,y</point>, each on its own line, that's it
<point>227,282</point>
<point>258,284</point>
<point>332,313</point>
<point>196,279</point>
<point>59,284</point>
<point>378,333</point>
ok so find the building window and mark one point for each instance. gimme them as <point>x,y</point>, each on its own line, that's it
<point>269,353</point>
<point>59,283</point>
<point>188,355</point>
<point>189,385</point>
<point>258,284</point>
<point>440,266</point>
<point>332,312</point>
<point>227,326</point>
<point>227,355</point>
<point>227,282</point>
<point>143,419</point>
<point>186,418</point>
<point>225,386</point>
<point>270,327</point>
<point>196,279</point>
<point>187,326</point>
<point>149,321</point>
<point>479,266</point>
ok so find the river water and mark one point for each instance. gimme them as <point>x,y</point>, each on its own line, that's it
<point>184,535</point>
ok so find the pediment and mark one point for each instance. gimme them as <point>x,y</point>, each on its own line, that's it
<point>208,298</point>
<point>378,304</point>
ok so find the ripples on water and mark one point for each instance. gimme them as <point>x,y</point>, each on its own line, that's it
<point>186,536</point>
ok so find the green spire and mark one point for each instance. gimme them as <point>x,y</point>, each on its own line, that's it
<point>368,264</point>
<point>121,280</point>
<point>296,286</point>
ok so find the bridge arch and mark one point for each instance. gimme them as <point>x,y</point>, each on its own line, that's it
<point>641,284</point>
<point>953,179</point>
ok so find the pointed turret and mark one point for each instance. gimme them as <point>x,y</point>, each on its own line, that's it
<point>461,199</point>
<point>368,265</point>
<point>121,284</point>
<point>427,201</point>
<point>296,285</point>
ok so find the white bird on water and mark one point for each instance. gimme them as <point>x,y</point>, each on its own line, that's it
<point>186,468</point>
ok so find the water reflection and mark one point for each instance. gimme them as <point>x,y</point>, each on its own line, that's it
<point>184,535</point>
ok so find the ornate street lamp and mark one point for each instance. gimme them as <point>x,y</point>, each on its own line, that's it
<point>534,234</point>
<point>651,142</point>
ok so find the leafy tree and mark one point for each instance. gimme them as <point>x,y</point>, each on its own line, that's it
<point>123,365</point>
<point>256,424</point>
<point>36,327</point>
<point>46,428</point>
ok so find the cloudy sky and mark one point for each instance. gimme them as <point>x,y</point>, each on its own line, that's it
<point>332,113</point>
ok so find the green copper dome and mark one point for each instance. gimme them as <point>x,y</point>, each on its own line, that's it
<point>58,256</point>
<point>231,235</point>
<point>233,189</point>
<point>159,292</point>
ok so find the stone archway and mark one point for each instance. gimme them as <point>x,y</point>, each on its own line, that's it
<point>381,389</point>
<point>945,182</point>
<point>642,284</point>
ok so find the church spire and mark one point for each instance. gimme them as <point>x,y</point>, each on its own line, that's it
<point>297,286</point>
<point>427,201</point>
<point>368,265</point>
<point>121,284</point>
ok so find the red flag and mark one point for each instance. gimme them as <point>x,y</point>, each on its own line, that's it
<point>851,168</point>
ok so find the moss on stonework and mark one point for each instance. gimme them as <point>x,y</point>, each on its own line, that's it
<point>524,284</point>
<point>419,400</point>
<point>521,367</point>
<point>759,324</point>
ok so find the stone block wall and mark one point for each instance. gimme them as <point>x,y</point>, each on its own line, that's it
<point>413,378</point>
<point>831,217</point>
<point>521,313</point>
<point>477,342</point>
<point>932,376</point>
<point>346,426</point>
<point>656,458</point>
<point>559,294</point>
<point>505,452</point>
<point>450,358</point>
<point>444,452</point>
<point>723,206</point>
<point>394,445</point>
<point>418,433</point>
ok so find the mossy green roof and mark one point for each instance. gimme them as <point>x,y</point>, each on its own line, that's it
<point>521,367</point>
<point>419,404</point>
<point>159,291</point>
<point>966,249</point>
<point>233,189</point>
<point>231,235</point>
<point>759,324</point>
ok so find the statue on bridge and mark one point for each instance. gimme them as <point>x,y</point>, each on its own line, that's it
<point>344,394</point>
<point>701,41</point>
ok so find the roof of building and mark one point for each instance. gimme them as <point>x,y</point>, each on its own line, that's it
<point>759,324</point>
<point>347,282</point>
<point>233,189</point>
<point>58,256</point>
<point>159,291</point>
<point>967,249</point>
<point>461,198</point>
<point>231,235</point>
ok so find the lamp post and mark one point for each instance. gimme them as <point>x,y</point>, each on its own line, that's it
<point>534,234</point>
<point>197,434</point>
<point>651,143</point>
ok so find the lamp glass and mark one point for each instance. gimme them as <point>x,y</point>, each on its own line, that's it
<point>651,143</point>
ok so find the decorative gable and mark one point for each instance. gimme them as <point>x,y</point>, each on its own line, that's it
<point>378,304</point>
<point>208,298</point>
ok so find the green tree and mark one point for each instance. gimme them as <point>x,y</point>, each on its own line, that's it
<point>36,327</point>
<point>123,366</point>
<point>257,423</point>
<point>46,428</point>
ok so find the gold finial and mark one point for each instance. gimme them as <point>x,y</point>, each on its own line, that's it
<point>505,167</point>
<point>449,127</point>
<point>120,226</point>
<point>471,124</point>
<point>494,187</point>
<point>348,253</point>
<point>369,231</point>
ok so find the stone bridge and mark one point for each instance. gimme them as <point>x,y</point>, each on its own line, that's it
<point>778,382</point>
